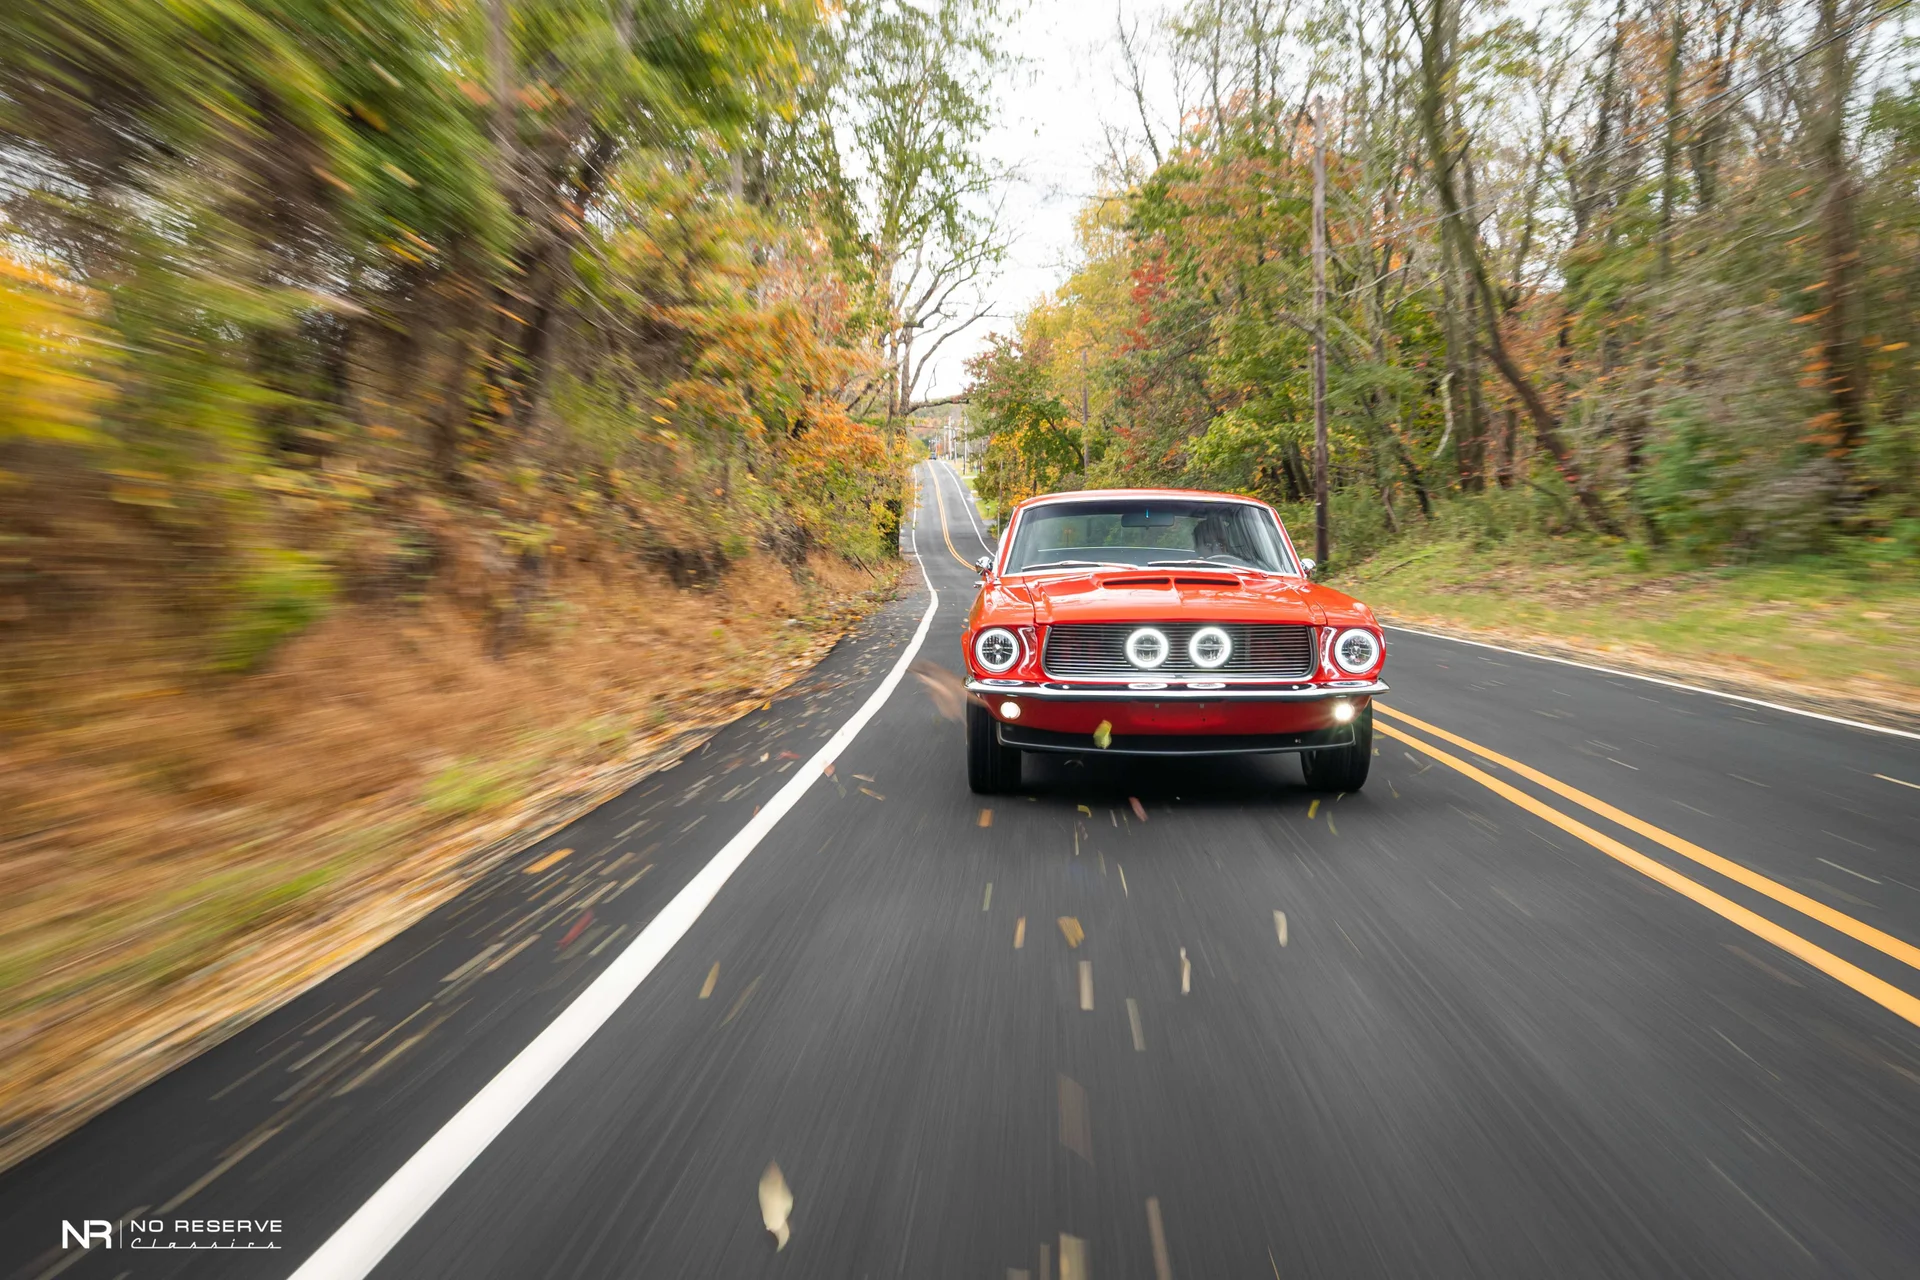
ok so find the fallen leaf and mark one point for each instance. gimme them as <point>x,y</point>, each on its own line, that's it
<point>1085,810</point>
<point>875,794</point>
<point>741,1002</point>
<point>1103,736</point>
<point>986,817</point>
<point>1186,973</point>
<point>1139,810</point>
<point>1157,1238</point>
<point>776,1205</point>
<point>1076,1121</point>
<point>579,927</point>
<point>1073,1258</point>
<point>1071,930</point>
<point>713,976</point>
<point>1019,933</point>
<point>827,768</point>
<point>1313,809</point>
<point>547,861</point>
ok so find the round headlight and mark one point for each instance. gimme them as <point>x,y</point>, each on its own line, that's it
<point>1147,648</point>
<point>1209,647</point>
<point>996,649</point>
<point>1356,651</point>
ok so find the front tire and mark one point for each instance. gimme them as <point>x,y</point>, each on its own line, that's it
<point>992,769</point>
<point>1342,768</point>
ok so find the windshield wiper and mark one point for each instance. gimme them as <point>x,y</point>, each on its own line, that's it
<point>1205,564</point>
<point>1074,564</point>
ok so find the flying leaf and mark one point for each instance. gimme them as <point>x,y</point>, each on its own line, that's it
<point>947,691</point>
<point>776,1205</point>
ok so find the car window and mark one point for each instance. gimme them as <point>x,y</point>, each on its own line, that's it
<point>1140,532</point>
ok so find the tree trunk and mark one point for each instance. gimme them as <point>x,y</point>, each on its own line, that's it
<point>1509,430</point>
<point>1455,344</point>
<point>1294,467</point>
<point>1472,449</point>
<point>1840,251</point>
<point>1703,147</point>
<point>1435,79</point>
<point>1670,143</point>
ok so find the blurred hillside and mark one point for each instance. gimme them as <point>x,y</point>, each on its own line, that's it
<point>415,414</point>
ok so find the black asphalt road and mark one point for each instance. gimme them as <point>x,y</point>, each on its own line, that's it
<point>1480,1045</point>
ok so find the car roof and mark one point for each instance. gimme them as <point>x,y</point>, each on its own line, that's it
<point>1203,494</point>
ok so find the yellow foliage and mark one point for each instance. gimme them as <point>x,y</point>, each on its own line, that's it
<point>53,365</point>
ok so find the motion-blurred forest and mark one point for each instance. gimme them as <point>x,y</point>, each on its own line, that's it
<point>1642,270</point>
<point>408,407</point>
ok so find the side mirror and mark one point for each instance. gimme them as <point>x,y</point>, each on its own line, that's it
<point>984,564</point>
<point>1306,564</point>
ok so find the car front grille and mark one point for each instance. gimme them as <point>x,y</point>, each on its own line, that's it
<point>1097,650</point>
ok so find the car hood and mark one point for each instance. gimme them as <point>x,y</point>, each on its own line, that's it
<point>1172,595</point>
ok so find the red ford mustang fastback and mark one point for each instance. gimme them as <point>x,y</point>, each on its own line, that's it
<point>1164,622</point>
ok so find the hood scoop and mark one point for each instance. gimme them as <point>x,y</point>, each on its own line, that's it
<point>1166,582</point>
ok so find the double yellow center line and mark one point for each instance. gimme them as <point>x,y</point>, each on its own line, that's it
<point>1875,989</point>
<point>942,500</point>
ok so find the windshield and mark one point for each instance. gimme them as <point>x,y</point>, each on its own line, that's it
<point>1143,532</point>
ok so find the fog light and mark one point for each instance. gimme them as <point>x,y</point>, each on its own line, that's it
<point>1009,711</point>
<point>1342,712</point>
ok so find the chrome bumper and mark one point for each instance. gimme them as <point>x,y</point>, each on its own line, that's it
<point>1174,744</point>
<point>1174,691</point>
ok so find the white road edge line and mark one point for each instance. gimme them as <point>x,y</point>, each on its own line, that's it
<point>357,1247</point>
<point>1671,684</point>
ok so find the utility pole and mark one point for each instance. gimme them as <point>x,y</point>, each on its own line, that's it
<point>1319,338</point>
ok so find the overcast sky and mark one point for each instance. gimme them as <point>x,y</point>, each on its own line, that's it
<point>1051,109</point>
